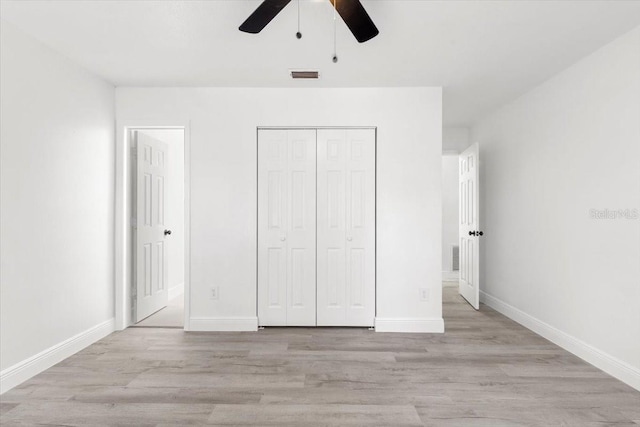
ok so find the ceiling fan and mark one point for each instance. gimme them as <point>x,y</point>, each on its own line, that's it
<point>351,11</point>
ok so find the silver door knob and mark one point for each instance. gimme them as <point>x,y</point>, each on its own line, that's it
<point>283,238</point>
<point>349,238</point>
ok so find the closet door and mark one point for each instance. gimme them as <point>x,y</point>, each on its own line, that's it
<point>346,227</point>
<point>286,227</point>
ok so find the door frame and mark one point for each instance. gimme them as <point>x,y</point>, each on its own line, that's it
<point>375,204</point>
<point>123,254</point>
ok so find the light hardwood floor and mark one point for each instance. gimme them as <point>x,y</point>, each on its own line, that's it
<point>485,370</point>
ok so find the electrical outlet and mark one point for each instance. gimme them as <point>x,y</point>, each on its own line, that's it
<point>214,293</point>
<point>424,294</point>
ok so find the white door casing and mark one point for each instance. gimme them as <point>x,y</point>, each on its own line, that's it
<point>346,227</point>
<point>286,227</point>
<point>469,282</point>
<point>150,247</point>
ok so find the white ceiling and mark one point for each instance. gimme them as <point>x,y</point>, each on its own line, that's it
<point>484,53</point>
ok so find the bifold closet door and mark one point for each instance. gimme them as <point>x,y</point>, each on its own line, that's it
<point>346,227</point>
<point>286,227</point>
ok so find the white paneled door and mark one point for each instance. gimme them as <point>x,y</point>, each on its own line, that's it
<point>151,254</point>
<point>316,227</point>
<point>469,282</point>
<point>287,227</point>
<point>346,227</point>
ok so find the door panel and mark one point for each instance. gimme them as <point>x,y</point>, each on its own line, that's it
<point>334,281</point>
<point>469,282</point>
<point>361,227</point>
<point>150,256</point>
<point>276,277</point>
<point>357,265</point>
<point>272,245</point>
<point>301,238</point>
<point>332,249</point>
<point>286,227</point>
<point>346,227</point>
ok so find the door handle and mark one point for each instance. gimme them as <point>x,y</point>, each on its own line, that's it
<point>283,238</point>
<point>349,238</point>
<point>476,233</point>
<point>480,233</point>
<point>472,233</point>
<point>167,232</point>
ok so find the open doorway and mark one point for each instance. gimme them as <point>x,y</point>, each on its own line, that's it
<point>461,235</point>
<point>173,227</point>
<point>158,227</point>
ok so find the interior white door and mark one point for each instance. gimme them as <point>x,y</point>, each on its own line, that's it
<point>286,227</point>
<point>469,282</point>
<point>150,254</point>
<point>346,227</point>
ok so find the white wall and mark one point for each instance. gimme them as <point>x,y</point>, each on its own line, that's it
<point>568,146</point>
<point>223,189</point>
<point>174,138</point>
<point>450,202</point>
<point>455,139</point>
<point>56,227</point>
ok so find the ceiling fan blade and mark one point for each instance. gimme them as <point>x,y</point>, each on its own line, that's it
<point>357,19</point>
<point>259,19</point>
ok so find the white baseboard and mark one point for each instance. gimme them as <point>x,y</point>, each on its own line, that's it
<point>601,360</point>
<point>22,371</point>
<point>222,324</point>
<point>409,325</point>
<point>176,290</point>
<point>450,276</point>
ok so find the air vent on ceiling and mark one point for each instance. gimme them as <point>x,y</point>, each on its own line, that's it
<point>305,74</point>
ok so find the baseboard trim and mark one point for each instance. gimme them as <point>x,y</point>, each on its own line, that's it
<point>601,360</point>
<point>409,325</point>
<point>223,324</point>
<point>28,368</point>
<point>176,290</point>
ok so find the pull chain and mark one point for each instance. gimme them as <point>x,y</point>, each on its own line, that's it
<point>299,34</point>
<point>335,26</point>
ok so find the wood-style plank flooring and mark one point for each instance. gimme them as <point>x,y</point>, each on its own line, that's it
<point>485,370</point>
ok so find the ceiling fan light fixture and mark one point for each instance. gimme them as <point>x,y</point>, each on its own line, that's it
<point>352,12</point>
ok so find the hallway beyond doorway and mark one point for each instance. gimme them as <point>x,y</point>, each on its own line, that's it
<point>172,316</point>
